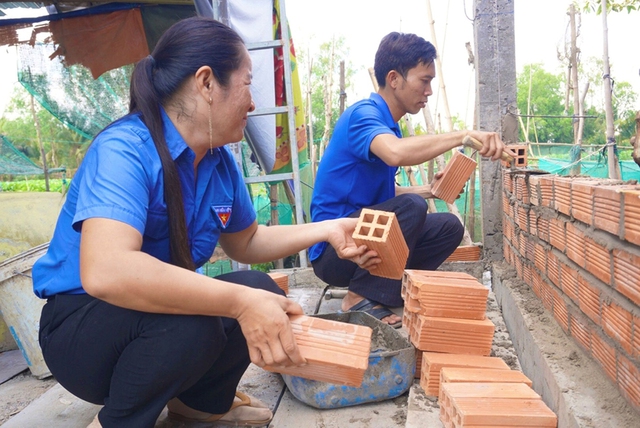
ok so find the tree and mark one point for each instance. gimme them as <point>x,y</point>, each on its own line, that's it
<point>325,73</point>
<point>540,98</point>
<point>63,146</point>
<point>613,6</point>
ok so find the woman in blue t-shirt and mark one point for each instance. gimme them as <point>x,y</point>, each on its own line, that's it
<point>128,324</point>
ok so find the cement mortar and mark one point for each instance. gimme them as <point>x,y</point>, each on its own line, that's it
<point>570,382</point>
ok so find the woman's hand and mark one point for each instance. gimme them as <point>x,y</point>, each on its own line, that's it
<point>267,330</point>
<point>341,238</point>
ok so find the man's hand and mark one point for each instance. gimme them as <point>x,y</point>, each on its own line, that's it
<point>492,145</point>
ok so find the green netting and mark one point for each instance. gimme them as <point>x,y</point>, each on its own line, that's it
<point>70,93</point>
<point>14,162</point>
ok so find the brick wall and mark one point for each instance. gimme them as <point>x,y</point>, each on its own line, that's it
<point>576,243</point>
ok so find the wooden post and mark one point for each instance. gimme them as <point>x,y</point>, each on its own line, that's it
<point>328,98</point>
<point>614,166</point>
<point>577,138</point>
<point>343,94</point>
<point>314,151</point>
<point>273,198</point>
<point>443,90</point>
<point>39,137</point>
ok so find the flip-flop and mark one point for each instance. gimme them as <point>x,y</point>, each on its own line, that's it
<point>375,309</point>
<point>248,412</point>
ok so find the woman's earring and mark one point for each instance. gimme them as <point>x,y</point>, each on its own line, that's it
<point>210,129</point>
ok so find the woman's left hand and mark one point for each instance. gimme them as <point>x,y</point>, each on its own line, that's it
<point>340,238</point>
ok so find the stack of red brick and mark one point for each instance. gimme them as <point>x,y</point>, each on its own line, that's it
<point>445,315</point>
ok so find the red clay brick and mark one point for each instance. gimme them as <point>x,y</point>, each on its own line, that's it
<point>557,233</point>
<point>452,335</point>
<point>466,253</point>
<point>546,190</point>
<point>466,374</point>
<point>626,271</point>
<point>502,412</point>
<point>579,329</point>
<point>507,181</point>
<point>598,260</point>
<point>336,352</point>
<point>631,216</point>
<point>533,222</point>
<point>629,380</point>
<point>546,294</point>
<point>380,231</point>
<point>522,213</point>
<point>540,258</point>
<point>553,269</point>
<point>575,244</point>
<point>617,322</point>
<point>534,189</point>
<point>543,229</point>
<point>522,190</point>
<point>455,174</point>
<point>560,311</point>
<point>582,200</point>
<point>606,209</point>
<point>605,354</point>
<point>569,281</point>
<point>433,362</point>
<point>589,299</point>
<point>635,338</point>
<point>562,194</point>
<point>281,279</point>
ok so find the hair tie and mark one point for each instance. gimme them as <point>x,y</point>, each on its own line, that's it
<point>153,61</point>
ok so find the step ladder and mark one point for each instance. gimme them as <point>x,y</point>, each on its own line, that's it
<point>220,13</point>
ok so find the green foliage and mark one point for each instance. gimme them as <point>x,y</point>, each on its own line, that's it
<point>63,147</point>
<point>317,81</point>
<point>546,99</point>
<point>263,267</point>
<point>39,185</point>
<point>612,6</point>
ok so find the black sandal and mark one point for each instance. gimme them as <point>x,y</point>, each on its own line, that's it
<point>375,309</point>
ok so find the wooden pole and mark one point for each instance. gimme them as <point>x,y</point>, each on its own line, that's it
<point>39,137</point>
<point>577,138</point>
<point>314,151</point>
<point>343,94</point>
<point>273,197</point>
<point>443,89</point>
<point>614,167</point>
<point>328,99</point>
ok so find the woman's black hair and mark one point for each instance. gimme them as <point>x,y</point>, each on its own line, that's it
<point>185,47</point>
<point>401,52</point>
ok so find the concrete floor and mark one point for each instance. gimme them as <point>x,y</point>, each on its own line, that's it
<point>570,383</point>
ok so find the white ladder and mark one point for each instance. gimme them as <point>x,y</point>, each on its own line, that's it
<point>219,13</point>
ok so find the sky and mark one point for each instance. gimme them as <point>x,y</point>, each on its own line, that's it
<point>540,28</point>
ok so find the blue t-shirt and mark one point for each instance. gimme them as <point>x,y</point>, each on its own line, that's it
<point>350,176</point>
<point>121,178</point>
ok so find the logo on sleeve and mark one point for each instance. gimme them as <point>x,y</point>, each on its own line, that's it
<point>224,214</point>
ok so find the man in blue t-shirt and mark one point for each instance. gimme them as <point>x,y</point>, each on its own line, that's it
<point>358,170</point>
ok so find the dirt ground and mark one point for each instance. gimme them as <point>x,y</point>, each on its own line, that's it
<point>19,391</point>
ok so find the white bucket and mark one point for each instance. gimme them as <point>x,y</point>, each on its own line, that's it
<point>21,308</point>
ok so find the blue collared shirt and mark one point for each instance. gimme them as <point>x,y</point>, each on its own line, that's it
<point>350,176</point>
<point>121,179</point>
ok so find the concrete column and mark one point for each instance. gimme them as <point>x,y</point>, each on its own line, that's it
<point>496,106</point>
